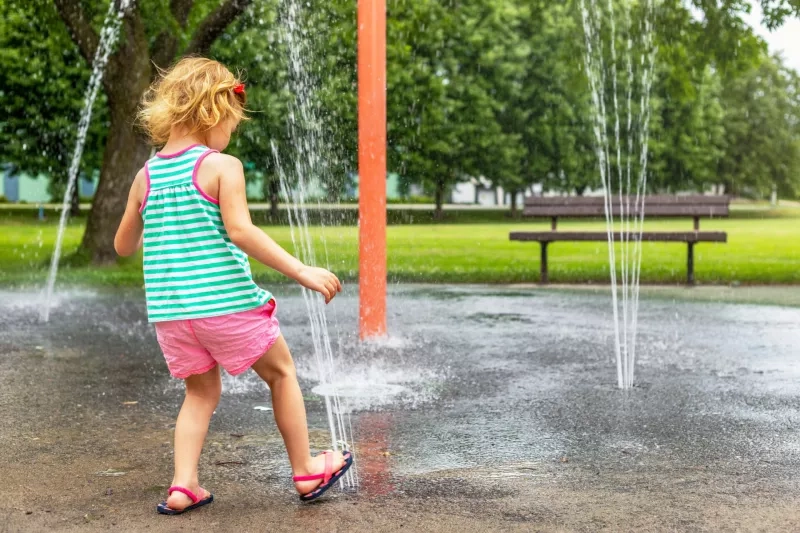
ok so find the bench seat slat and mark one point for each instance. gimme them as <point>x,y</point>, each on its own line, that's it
<point>593,236</point>
<point>657,199</point>
<point>650,210</point>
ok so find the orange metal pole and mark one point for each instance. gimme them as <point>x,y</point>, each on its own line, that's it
<point>372,167</point>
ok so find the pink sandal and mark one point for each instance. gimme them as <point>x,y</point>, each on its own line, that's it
<point>329,478</point>
<point>163,508</point>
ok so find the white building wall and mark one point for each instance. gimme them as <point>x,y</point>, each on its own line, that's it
<point>463,193</point>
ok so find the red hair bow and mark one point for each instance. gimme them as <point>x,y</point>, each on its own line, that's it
<point>239,89</point>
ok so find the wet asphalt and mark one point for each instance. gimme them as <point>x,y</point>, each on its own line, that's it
<point>487,409</point>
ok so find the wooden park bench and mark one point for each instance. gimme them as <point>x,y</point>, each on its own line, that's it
<point>695,207</point>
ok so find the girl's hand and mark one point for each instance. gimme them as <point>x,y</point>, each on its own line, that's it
<point>320,280</point>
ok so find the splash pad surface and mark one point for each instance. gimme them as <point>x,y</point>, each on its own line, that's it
<point>508,393</point>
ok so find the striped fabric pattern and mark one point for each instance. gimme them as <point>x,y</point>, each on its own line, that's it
<point>191,267</point>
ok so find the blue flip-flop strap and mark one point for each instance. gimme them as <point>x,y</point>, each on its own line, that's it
<point>169,511</point>
<point>319,491</point>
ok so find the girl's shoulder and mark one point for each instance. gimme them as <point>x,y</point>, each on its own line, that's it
<point>140,180</point>
<point>222,163</point>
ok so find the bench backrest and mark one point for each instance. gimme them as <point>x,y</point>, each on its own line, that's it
<point>654,206</point>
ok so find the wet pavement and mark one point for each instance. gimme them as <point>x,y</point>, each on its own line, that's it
<point>488,409</point>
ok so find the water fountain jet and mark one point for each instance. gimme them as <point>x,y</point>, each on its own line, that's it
<point>108,38</point>
<point>627,160</point>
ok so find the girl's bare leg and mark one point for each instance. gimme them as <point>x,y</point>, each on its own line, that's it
<point>276,368</point>
<point>202,396</point>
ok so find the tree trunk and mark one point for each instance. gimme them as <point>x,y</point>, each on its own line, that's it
<point>438,213</point>
<point>128,74</point>
<point>274,199</point>
<point>514,203</point>
<point>75,201</point>
<point>126,151</point>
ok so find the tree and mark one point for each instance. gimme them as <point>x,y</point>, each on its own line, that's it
<point>762,147</point>
<point>443,125</point>
<point>495,60</point>
<point>776,11</point>
<point>686,128</point>
<point>557,130</point>
<point>686,132</point>
<point>154,33</point>
<point>260,56</point>
<point>476,88</point>
<point>316,111</point>
<point>694,56</point>
<point>42,84</point>
<point>724,111</point>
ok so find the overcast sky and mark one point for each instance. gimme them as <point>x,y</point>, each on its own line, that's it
<point>785,39</point>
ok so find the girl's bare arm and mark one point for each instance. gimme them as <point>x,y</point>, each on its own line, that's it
<point>129,234</point>
<point>256,243</point>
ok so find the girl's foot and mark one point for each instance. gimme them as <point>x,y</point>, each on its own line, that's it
<point>316,465</point>
<point>179,501</point>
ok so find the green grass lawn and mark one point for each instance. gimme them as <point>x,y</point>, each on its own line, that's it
<point>763,248</point>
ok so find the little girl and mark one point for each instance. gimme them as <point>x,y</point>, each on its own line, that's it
<point>188,208</point>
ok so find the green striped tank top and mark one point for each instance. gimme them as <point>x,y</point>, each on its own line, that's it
<point>191,267</point>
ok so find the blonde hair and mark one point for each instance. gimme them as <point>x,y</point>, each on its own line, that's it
<point>196,93</point>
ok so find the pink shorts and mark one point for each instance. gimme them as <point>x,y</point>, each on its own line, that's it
<point>234,341</point>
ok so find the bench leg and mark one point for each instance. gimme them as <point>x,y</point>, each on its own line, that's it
<point>690,265</point>
<point>543,272</point>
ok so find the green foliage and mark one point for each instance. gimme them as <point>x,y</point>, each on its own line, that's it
<point>257,52</point>
<point>42,80</point>
<point>762,135</point>
<point>451,67</point>
<point>555,108</point>
<point>475,88</point>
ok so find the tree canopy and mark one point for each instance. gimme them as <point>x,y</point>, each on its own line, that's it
<point>476,88</point>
